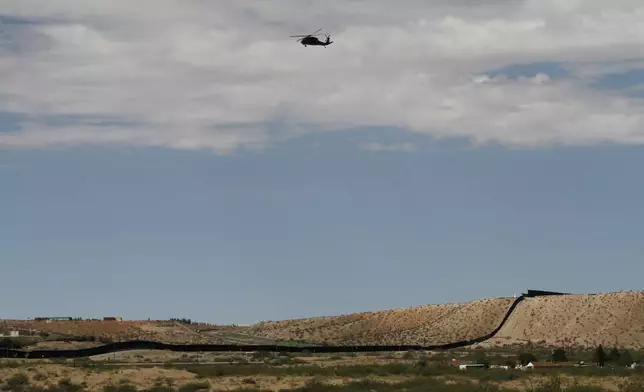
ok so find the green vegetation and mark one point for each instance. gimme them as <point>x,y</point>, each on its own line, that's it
<point>600,356</point>
<point>195,387</point>
<point>182,320</point>
<point>16,383</point>
<point>421,371</point>
<point>16,343</point>
<point>559,355</point>
<point>421,376</point>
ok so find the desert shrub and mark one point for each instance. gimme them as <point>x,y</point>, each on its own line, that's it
<point>413,385</point>
<point>555,384</point>
<point>17,382</point>
<point>15,343</point>
<point>66,385</point>
<point>10,364</point>
<point>163,382</point>
<point>593,371</point>
<point>584,388</point>
<point>632,384</point>
<point>39,377</point>
<point>195,387</point>
<point>497,375</point>
<point>416,369</point>
<point>525,358</point>
<point>160,388</point>
<point>120,388</point>
<point>261,356</point>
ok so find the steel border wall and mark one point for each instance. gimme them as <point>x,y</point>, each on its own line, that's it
<point>150,345</point>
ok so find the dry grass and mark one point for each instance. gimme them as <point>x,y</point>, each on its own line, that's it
<point>43,376</point>
<point>48,375</point>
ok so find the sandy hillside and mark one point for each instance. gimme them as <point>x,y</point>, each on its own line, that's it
<point>570,320</point>
<point>161,331</point>
<point>580,320</point>
<point>430,324</point>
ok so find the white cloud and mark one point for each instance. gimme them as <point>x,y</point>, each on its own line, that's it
<point>191,74</point>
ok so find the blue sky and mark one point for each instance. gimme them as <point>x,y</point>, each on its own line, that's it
<point>312,227</point>
<point>197,173</point>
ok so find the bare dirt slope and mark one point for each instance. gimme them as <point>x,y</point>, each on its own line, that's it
<point>570,320</point>
<point>429,324</point>
<point>577,320</point>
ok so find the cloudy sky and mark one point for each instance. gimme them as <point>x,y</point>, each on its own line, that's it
<point>160,157</point>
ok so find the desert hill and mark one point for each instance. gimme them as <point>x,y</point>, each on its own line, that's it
<point>94,332</point>
<point>569,320</point>
<point>425,325</point>
<point>75,334</point>
<point>610,319</point>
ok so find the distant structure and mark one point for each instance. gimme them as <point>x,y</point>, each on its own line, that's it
<point>12,334</point>
<point>541,293</point>
<point>53,319</point>
<point>116,318</point>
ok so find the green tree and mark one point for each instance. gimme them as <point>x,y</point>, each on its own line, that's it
<point>613,355</point>
<point>625,358</point>
<point>481,357</point>
<point>559,355</point>
<point>526,358</point>
<point>600,356</point>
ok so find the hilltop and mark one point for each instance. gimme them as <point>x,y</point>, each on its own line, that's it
<point>583,320</point>
<point>579,320</point>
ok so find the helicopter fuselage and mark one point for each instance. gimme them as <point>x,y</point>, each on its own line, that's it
<point>315,42</point>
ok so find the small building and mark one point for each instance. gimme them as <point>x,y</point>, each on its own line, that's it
<point>504,367</point>
<point>466,366</point>
<point>540,365</point>
<point>117,318</point>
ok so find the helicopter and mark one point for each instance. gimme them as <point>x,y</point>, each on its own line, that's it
<point>312,40</point>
